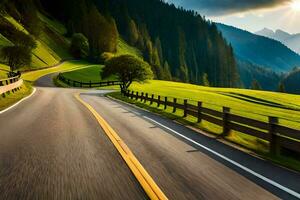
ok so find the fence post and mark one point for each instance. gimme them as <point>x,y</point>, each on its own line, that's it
<point>166,101</point>
<point>81,84</point>
<point>158,102</point>
<point>199,111</point>
<point>137,96</point>
<point>174,105</point>
<point>185,108</point>
<point>132,94</point>
<point>226,129</point>
<point>142,96</point>
<point>274,140</point>
<point>90,84</point>
<point>152,97</point>
<point>146,98</point>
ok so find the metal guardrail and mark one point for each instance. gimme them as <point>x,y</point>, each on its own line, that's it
<point>279,137</point>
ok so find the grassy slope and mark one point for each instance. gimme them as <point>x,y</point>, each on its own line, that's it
<point>93,73</point>
<point>51,45</point>
<point>253,105</point>
<point>249,103</point>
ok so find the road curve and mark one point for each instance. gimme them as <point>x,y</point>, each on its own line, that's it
<point>51,147</point>
<point>186,171</point>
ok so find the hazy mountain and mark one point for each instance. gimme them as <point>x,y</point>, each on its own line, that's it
<point>259,50</point>
<point>290,40</point>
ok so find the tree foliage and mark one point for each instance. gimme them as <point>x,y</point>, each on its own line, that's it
<point>128,69</point>
<point>16,56</point>
<point>79,46</point>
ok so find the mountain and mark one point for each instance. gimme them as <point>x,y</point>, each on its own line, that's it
<point>260,50</point>
<point>290,40</point>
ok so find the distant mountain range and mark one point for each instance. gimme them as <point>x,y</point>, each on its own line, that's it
<point>290,40</point>
<point>259,50</point>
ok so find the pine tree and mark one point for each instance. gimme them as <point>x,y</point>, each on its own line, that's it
<point>167,73</point>
<point>281,87</point>
<point>133,34</point>
<point>255,85</point>
<point>205,80</point>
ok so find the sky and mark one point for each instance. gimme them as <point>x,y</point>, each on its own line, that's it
<point>251,15</point>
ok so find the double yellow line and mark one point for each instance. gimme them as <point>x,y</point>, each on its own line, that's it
<point>146,181</point>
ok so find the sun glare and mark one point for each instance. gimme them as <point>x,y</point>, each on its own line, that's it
<point>296,5</point>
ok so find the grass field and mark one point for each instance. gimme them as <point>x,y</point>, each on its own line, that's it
<point>248,103</point>
<point>85,75</point>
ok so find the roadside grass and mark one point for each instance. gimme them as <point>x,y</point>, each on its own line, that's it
<point>11,98</point>
<point>243,141</point>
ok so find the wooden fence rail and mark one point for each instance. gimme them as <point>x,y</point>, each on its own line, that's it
<point>89,84</point>
<point>11,84</point>
<point>279,137</point>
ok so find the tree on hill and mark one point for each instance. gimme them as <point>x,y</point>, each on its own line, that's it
<point>16,56</point>
<point>255,85</point>
<point>128,69</point>
<point>79,46</point>
<point>281,87</point>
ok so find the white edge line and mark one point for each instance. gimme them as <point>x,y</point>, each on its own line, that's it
<point>7,109</point>
<point>273,183</point>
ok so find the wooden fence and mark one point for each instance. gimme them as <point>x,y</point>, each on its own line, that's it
<point>10,85</point>
<point>89,84</point>
<point>279,137</point>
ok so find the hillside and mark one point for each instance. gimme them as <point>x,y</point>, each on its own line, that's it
<point>183,42</point>
<point>290,40</point>
<point>52,46</point>
<point>260,50</point>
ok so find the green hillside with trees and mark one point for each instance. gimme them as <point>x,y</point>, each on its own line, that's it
<point>165,45</point>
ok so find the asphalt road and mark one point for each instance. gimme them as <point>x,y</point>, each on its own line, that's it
<point>51,147</point>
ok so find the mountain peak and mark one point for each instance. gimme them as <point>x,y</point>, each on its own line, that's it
<point>266,32</point>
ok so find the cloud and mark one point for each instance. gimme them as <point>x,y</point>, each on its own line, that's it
<point>225,7</point>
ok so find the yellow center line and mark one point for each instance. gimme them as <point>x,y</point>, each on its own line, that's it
<point>146,181</point>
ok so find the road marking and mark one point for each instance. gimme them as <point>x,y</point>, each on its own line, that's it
<point>273,183</point>
<point>146,181</point>
<point>7,109</point>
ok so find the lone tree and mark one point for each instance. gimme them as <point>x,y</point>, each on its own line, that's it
<point>128,69</point>
<point>79,46</point>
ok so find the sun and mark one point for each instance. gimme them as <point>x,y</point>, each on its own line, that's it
<point>296,5</point>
